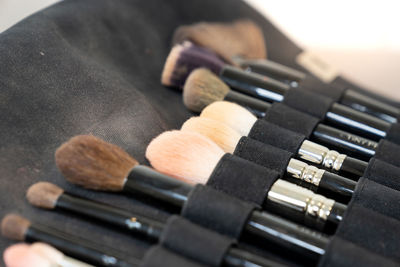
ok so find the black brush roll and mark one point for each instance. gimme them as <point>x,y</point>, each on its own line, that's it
<point>158,256</point>
<point>383,173</point>
<point>312,84</point>
<point>389,152</point>
<point>195,242</point>
<point>393,135</point>
<point>291,119</point>
<point>241,178</point>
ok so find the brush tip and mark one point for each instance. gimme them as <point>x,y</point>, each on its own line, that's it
<point>44,195</point>
<point>169,66</point>
<point>21,255</point>
<point>203,88</point>
<point>48,252</point>
<point>92,163</point>
<point>14,227</point>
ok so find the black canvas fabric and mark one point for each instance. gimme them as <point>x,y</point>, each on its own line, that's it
<point>314,104</point>
<point>312,84</point>
<point>291,119</point>
<point>346,254</point>
<point>195,242</point>
<point>371,230</point>
<point>265,155</point>
<point>243,179</point>
<point>159,256</point>
<point>377,197</point>
<point>388,152</point>
<point>393,135</point>
<point>216,210</point>
<point>272,134</point>
<point>383,173</point>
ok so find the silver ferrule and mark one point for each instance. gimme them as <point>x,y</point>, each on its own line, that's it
<point>300,199</point>
<point>304,172</point>
<point>318,154</point>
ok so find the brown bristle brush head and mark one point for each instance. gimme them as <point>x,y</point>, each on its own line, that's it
<point>220,133</point>
<point>186,155</point>
<point>92,163</point>
<point>14,227</point>
<point>202,88</point>
<point>240,38</point>
<point>44,195</point>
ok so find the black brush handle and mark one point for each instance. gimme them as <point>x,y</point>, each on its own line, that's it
<point>241,258</point>
<point>111,215</point>
<point>78,248</point>
<point>258,107</point>
<point>354,166</point>
<point>337,185</point>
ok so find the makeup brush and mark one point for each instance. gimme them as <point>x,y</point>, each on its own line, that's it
<point>90,153</point>
<point>49,196</point>
<point>242,43</point>
<point>232,142</point>
<point>18,228</point>
<point>198,93</point>
<point>20,255</point>
<point>188,57</point>
<point>189,154</point>
<point>246,124</point>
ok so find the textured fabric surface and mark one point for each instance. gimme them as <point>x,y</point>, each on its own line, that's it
<point>346,254</point>
<point>159,256</point>
<point>371,230</point>
<point>241,178</point>
<point>393,135</point>
<point>377,197</point>
<point>265,155</point>
<point>272,134</point>
<point>312,84</point>
<point>291,119</point>
<point>388,152</point>
<point>195,242</point>
<point>314,104</point>
<point>383,173</point>
<point>217,211</point>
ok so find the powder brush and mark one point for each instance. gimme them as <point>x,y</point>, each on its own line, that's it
<point>189,155</point>
<point>71,159</point>
<point>232,142</point>
<point>49,196</point>
<point>185,58</point>
<point>15,227</point>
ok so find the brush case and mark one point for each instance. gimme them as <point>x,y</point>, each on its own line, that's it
<point>388,152</point>
<point>383,173</point>
<point>158,256</point>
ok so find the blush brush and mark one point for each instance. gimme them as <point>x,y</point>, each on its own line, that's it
<point>91,153</point>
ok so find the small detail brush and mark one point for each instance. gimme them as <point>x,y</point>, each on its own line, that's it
<point>18,228</point>
<point>89,152</point>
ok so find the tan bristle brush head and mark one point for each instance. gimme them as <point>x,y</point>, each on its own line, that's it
<point>92,163</point>
<point>186,155</point>
<point>202,88</point>
<point>234,115</point>
<point>220,133</point>
<point>14,227</point>
<point>44,195</point>
<point>240,38</point>
<point>47,252</point>
<point>169,65</point>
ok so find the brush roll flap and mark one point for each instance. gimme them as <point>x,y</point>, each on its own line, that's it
<point>217,211</point>
<point>383,173</point>
<point>371,230</point>
<point>243,179</point>
<point>312,84</point>
<point>265,155</point>
<point>291,119</point>
<point>272,134</point>
<point>158,256</point>
<point>308,102</point>
<point>377,197</point>
<point>346,254</point>
<point>388,152</point>
<point>393,135</point>
<point>195,242</point>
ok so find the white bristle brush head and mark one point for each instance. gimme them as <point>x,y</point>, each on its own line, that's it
<point>20,255</point>
<point>220,133</point>
<point>186,155</point>
<point>234,115</point>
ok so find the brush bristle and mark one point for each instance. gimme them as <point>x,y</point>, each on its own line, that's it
<point>44,195</point>
<point>48,252</point>
<point>185,58</point>
<point>220,133</point>
<point>241,38</point>
<point>234,115</point>
<point>21,255</point>
<point>14,227</point>
<point>203,88</point>
<point>188,156</point>
<point>90,162</point>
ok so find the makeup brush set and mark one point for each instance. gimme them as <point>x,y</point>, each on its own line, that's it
<point>234,160</point>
